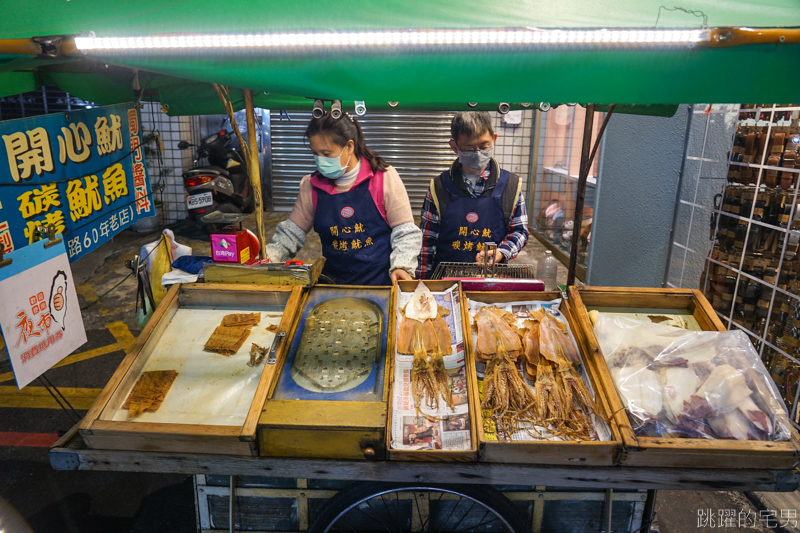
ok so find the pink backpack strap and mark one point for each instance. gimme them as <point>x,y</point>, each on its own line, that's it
<point>317,181</point>
<point>376,190</point>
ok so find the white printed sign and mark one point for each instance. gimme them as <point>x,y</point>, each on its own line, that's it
<point>40,317</point>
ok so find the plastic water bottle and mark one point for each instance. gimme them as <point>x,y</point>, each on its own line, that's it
<point>546,270</point>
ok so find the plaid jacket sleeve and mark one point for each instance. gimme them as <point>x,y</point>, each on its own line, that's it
<point>517,231</point>
<point>429,224</point>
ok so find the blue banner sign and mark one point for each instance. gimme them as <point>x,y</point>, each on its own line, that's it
<point>82,171</point>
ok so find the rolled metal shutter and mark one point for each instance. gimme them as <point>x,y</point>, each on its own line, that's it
<point>415,144</point>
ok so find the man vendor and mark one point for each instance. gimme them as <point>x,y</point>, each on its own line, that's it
<point>473,203</point>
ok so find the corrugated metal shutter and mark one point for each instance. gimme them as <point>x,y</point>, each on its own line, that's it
<point>415,144</point>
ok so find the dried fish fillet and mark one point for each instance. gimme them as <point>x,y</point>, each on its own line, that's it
<point>640,390</point>
<point>710,384</point>
<point>733,425</point>
<point>149,392</point>
<point>227,340</point>
<point>241,319</point>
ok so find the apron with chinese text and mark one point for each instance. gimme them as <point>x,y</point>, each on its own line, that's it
<point>356,239</point>
<point>470,222</point>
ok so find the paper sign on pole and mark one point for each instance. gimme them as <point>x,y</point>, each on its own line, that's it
<point>39,316</point>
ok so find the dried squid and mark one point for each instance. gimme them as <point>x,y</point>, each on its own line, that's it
<point>725,390</point>
<point>494,327</point>
<point>429,378</point>
<point>531,343</point>
<point>564,402</point>
<point>547,356</point>
<point>505,394</point>
<point>424,333</point>
<point>422,313</point>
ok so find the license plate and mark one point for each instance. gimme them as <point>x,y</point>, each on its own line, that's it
<point>199,200</point>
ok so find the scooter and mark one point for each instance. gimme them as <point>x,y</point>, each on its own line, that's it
<point>222,185</point>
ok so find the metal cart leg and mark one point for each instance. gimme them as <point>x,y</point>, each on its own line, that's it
<point>609,504</point>
<point>232,506</point>
<point>649,509</point>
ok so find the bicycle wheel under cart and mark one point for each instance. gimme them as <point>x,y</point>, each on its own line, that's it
<point>401,508</point>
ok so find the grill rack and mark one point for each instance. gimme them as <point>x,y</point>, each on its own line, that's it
<point>476,270</point>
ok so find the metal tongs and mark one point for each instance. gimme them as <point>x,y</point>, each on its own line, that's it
<point>143,291</point>
<point>489,251</point>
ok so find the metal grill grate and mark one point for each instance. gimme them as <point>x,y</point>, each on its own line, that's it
<point>475,270</point>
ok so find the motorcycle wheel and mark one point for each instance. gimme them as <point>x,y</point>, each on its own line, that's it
<point>224,208</point>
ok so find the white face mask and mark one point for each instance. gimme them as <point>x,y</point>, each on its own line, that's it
<point>476,160</point>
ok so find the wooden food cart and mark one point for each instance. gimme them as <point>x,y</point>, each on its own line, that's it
<point>308,460</point>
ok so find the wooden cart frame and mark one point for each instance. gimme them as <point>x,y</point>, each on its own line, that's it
<point>71,453</point>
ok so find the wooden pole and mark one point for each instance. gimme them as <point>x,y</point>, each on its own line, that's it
<point>581,196</point>
<point>222,93</point>
<point>255,170</point>
<point>250,151</point>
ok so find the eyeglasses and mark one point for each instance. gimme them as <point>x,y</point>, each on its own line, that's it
<point>475,150</point>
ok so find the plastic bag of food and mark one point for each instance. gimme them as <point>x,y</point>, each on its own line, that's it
<point>693,384</point>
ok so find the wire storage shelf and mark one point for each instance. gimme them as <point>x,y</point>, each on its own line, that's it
<point>738,231</point>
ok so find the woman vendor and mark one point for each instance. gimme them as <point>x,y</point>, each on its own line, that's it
<point>357,204</point>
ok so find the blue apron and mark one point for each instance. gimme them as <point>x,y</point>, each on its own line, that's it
<point>356,240</point>
<point>470,222</point>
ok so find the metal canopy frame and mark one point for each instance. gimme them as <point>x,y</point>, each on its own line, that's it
<point>587,158</point>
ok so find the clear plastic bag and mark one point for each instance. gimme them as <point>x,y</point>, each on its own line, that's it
<point>693,384</point>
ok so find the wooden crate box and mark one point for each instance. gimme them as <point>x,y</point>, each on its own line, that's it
<point>300,423</point>
<point>600,453</point>
<point>433,455</point>
<point>672,452</point>
<point>174,339</point>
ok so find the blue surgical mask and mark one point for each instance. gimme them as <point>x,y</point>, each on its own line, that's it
<point>331,167</point>
<point>476,160</point>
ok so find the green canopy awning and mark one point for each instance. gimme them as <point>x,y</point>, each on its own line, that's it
<point>440,80</point>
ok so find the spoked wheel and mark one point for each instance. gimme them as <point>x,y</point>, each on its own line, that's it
<point>411,508</point>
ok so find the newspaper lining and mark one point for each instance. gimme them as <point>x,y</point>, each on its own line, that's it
<point>553,308</point>
<point>441,429</point>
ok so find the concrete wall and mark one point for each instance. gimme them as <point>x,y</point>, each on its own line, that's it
<point>638,179</point>
<point>704,175</point>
